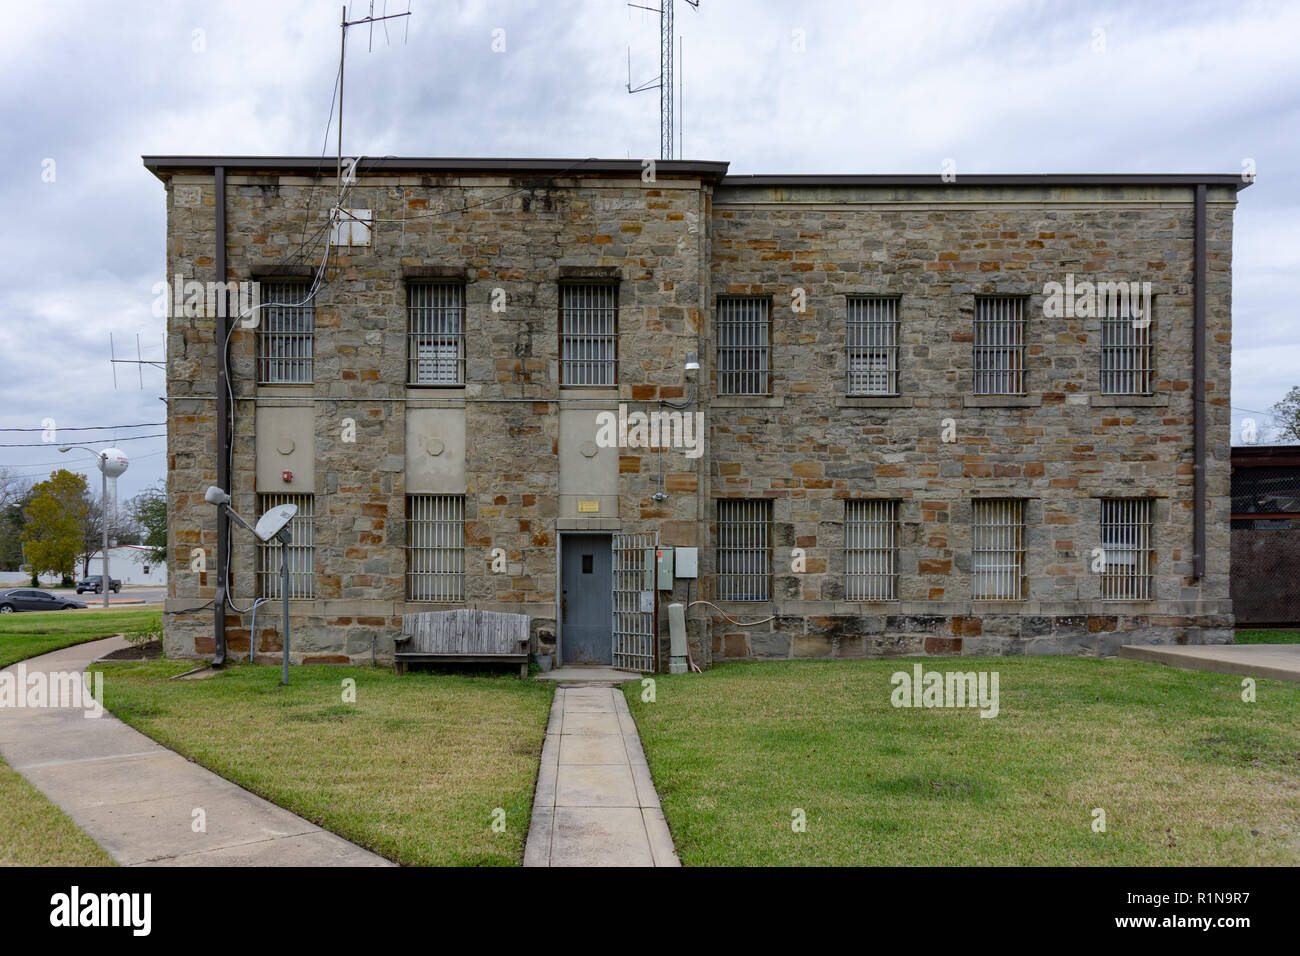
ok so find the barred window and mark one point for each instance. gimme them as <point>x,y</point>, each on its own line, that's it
<point>871,550</point>
<point>1126,549</point>
<point>1125,351</point>
<point>302,549</point>
<point>744,550</point>
<point>588,333</point>
<point>436,333</point>
<point>285,333</point>
<point>998,549</point>
<point>872,346</point>
<point>1000,345</point>
<point>435,547</point>
<point>744,344</point>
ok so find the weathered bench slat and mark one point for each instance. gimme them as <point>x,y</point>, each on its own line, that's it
<point>464,634</point>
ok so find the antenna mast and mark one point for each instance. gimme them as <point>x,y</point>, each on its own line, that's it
<point>664,82</point>
<point>344,23</point>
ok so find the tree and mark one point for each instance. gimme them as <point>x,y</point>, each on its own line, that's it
<point>14,491</point>
<point>53,532</point>
<point>149,514</point>
<point>1286,415</point>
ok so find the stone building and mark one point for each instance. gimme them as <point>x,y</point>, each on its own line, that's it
<point>981,416</point>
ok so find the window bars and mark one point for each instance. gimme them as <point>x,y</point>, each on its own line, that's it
<point>744,344</point>
<point>870,550</point>
<point>1126,549</point>
<point>871,344</point>
<point>435,548</point>
<point>588,333</point>
<point>302,549</point>
<point>436,333</point>
<point>997,549</point>
<point>1125,353</point>
<point>999,354</point>
<point>284,334</point>
<point>744,550</point>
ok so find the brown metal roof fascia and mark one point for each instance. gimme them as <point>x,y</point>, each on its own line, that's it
<point>992,179</point>
<point>162,166</point>
<point>1266,456</point>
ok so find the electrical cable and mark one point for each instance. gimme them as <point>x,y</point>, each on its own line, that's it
<point>729,618</point>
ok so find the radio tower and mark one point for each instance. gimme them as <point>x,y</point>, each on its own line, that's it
<point>664,81</point>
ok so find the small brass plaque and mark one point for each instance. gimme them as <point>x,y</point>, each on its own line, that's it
<point>589,507</point>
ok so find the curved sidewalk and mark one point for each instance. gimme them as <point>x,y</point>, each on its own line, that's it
<point>138,800</point>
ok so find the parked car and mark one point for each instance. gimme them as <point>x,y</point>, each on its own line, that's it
<point>30,599</point>
<point>91,582</point>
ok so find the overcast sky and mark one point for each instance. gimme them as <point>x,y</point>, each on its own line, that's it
<point>775,87</point>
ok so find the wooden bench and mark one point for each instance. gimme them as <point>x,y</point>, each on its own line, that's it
<point>463,636</point>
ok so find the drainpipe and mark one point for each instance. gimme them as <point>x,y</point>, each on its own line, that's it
<point>223,424</point>
<point>1198,386</point>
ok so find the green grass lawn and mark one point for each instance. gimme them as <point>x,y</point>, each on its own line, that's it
<point>413,769</point>
<point>1186,772</point>
<point>32,633</point>
<point>1268,636</point>
<point>33,831</point>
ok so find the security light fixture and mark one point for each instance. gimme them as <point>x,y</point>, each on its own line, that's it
<point>692,362</point>
<point>273,524</point>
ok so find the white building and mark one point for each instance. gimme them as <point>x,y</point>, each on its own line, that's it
<point>130,564</point>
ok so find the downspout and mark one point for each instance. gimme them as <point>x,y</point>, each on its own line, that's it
<point>223,423</point>
<point>1198,386</point>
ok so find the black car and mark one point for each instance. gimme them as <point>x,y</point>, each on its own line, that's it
<point>30,599</point>
<point>91,582</point>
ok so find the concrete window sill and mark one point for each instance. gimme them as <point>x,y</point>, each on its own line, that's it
<point>874,401</point>
<point>747,401</point>
<point>1002,401</point>
<point>1131,401</point>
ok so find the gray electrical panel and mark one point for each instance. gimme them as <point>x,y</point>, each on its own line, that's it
<point>688,562</point>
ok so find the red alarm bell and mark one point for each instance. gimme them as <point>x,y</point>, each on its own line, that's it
<point>286,476</point>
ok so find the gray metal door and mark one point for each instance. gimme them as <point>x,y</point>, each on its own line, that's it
<point>634,600</point>
<point>586,602</point>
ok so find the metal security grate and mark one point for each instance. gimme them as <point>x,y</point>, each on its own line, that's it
<point>1125,353</point>
<point>870,550</point>
<point>997,549</point>
<point>744,550</point>
<point>588,334</point>
<point>435,548</point>
<point>285,333</point>
<point>1000,346</point>
<point>1126,549</point>
<point>634,597</point>
<point>302,549</point>
<point>436,333</point>
<point>744,344</point>
<point>871,342</point>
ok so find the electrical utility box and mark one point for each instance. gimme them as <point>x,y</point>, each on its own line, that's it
<point>664,569</point>
<point>688,562</point>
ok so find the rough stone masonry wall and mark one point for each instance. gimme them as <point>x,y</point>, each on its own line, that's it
<point>1061,449</point>
<point>517,235</point>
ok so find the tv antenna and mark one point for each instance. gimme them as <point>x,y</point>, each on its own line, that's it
<point>139,361</point>
<point>664,81</point>
<point>344,23</point>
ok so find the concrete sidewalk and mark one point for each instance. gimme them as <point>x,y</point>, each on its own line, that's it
<point>138,799</point>
<point>595,803</point>
<point>1274,661</point>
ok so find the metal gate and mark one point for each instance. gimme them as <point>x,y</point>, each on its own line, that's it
<point>634,600</point>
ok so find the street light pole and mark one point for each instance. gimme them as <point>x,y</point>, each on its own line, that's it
<point>105,579</point>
